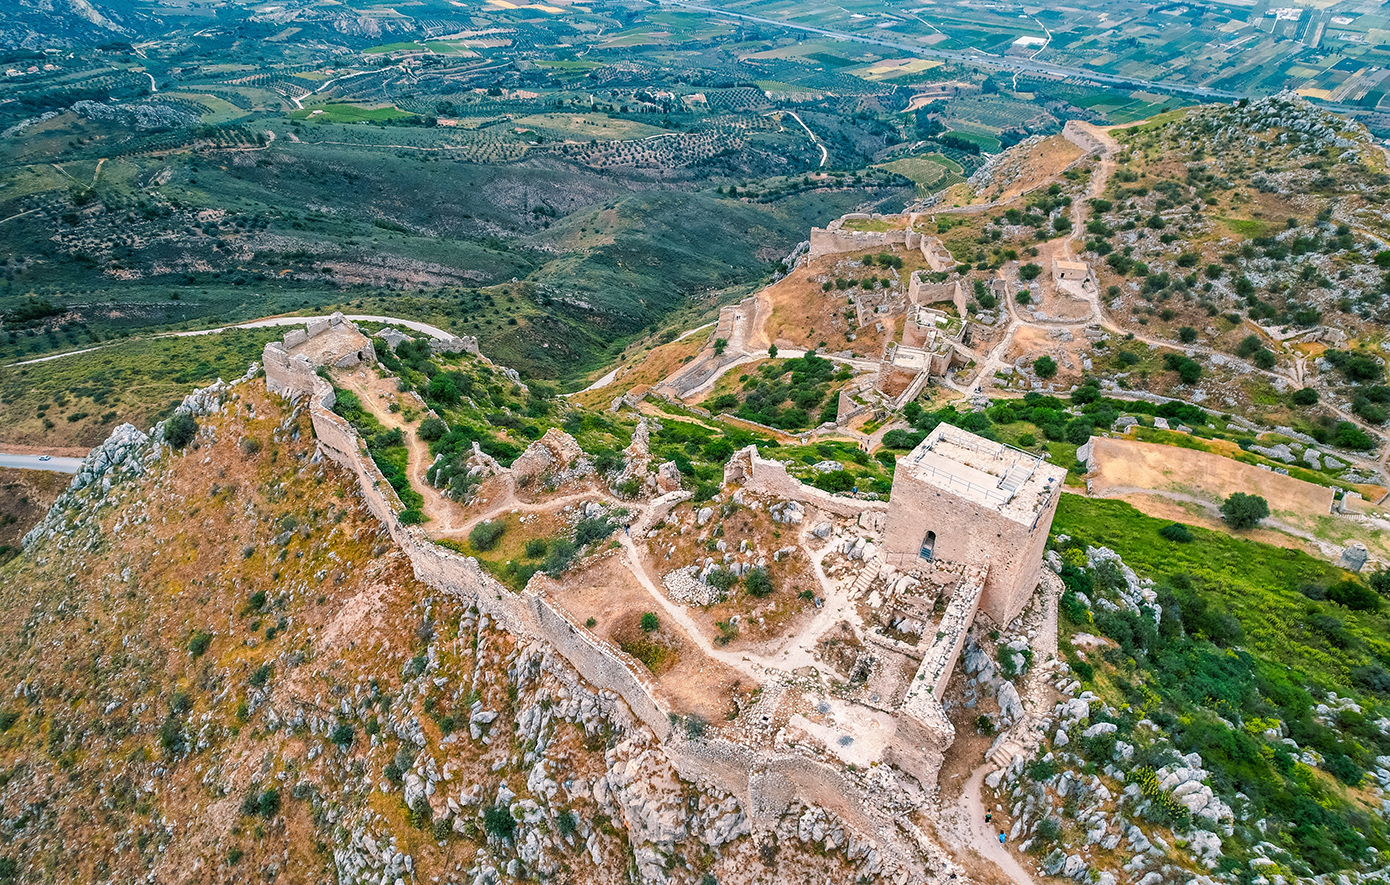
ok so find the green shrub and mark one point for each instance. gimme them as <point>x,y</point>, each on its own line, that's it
<point>561,554</point>
<point>1177,532</point>
<point>200,642</point>
<point>1189,370</point>
<point>499,823</point>
<point>261,675</point>
<point>721,579</point>
<point>1040,770</point>
<point>432,429</point>
<point>180,430</point>
<point>649,623</point>
<point>1029,271</point>
<point>342,735</point>
<point>1304,396</point>
<point>1045,366</point>
<point>486,534</point>
<point>835,481</point>
<point>1354,595</point>
<point>588,531</point>
<point>535,548</point>
<point>757,582</point>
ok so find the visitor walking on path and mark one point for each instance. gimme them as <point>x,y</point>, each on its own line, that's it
<point>1002,837</point>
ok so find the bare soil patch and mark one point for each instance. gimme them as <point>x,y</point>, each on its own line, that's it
<point>802,315</point>
<point>761,624</point>
<point>604,590</point>
<point>1123,464</point>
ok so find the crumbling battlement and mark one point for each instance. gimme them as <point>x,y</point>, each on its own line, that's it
<point>834,238</point>
<point>764,476</point>
<point>765,782</point>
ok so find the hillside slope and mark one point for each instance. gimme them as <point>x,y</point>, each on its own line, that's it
<point>222,670</point>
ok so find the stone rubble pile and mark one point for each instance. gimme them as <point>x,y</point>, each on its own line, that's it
<point>687,585</point>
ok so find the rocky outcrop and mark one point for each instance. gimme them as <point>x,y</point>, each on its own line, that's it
<point>125,453</point>
<point>555,456</point>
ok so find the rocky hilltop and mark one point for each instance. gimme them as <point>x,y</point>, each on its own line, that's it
<point>222,670</point>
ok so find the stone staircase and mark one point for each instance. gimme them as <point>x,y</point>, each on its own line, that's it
<point>866,577</point>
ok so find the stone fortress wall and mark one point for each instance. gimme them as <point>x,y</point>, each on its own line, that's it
<point>766,784</point>
<point>767,477</point>
<point>834,238</point>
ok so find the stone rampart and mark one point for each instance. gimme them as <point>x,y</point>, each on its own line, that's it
<point>828,241</point>
<point>659,510</point>
<point>286,375</point>
<point>765,784</point>
<point>761,475</point>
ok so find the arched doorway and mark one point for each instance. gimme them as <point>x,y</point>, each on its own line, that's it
<point>928,545</point>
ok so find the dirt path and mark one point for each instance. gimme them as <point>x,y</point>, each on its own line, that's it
<point>983,837</point>
<point>376,394</point>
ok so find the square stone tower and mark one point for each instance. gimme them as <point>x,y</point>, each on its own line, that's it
<point>962,498</point>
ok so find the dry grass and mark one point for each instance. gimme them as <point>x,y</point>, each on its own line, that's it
<point>1123,464</point>
<point>1038,165</point>
<point>802,315</point>
<point>642,369</point>
<point>763,623</point>
<point>25,496</point>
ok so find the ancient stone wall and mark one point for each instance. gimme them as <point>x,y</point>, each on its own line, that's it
<point>828,241</point>
<point>286,375</point>
<point>920,744</point>
<point>758,474</point>
<point>766,785</point>
<point>920,292</point>
<point>659,510</point>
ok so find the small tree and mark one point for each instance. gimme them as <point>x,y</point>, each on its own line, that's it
<point>772,351</point>
<point>431,429</point>
<point>1029,271</point>
<point>1304,396</point>
<point>180,430</point>
<point>199,643</point>
<point>1187,334</point>
<point>499,823</point>
<point>719,345</point>
<point>1242,511</point>
<point>649,622</point>
<point>1045,366</point>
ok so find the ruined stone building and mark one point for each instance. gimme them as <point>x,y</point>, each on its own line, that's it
<point>963,498</point>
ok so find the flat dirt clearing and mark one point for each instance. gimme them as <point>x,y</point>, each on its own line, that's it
<point>1123,466</point>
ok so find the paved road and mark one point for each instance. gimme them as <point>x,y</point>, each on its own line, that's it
<point>32,462</point>
<point>422,328</point>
